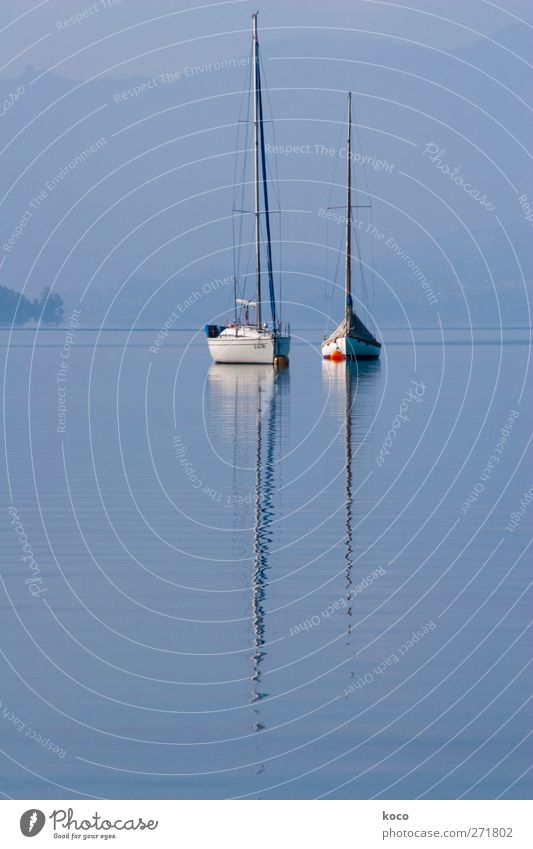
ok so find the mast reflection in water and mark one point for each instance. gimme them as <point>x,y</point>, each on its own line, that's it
<point>348,384</point>
<point>252,404</point>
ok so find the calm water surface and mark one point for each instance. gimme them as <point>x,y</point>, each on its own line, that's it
<point>265,584</point>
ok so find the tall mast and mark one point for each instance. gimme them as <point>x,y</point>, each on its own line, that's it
<point>255,59</point>
<point>349,215</point>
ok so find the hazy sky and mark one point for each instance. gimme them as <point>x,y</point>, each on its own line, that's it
<point>442,95</point>
<point>127,37</point>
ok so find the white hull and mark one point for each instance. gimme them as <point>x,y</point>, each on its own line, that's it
<point>248,345</point>
<point>351,348</point>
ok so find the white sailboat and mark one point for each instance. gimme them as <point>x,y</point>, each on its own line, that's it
<point>242,341</point>
<point>351,339</point>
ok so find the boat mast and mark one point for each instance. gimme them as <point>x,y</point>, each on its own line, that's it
<point>349,216</point>
<point>255,59</point>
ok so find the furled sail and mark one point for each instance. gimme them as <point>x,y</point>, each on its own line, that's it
<point>351,325</point>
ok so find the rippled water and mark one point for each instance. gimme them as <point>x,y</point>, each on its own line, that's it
<point>249,583</point>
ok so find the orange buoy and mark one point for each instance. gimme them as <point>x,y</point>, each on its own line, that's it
<point>336,356</point>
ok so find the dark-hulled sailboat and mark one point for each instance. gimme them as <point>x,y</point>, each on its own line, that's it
<point>351,339</point>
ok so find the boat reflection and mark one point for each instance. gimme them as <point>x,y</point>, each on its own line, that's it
<point>252,405</point>
<point>349,386</point>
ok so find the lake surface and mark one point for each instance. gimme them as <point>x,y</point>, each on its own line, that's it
<point>242,582</point>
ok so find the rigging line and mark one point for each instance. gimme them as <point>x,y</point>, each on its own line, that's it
<point>331,287</point>
<point>247,134</point>
<point>233,226</point>
<point>364,292</point>
<point>342,128</point>
<point>271,113</point>
<point>276,185</point>
<point>265,200</point>
<point>357,239</point>
<point>336,276</point>
<point>326,266</point>
<point>239,146</point>
<point>371,217</point>
<point>329,282</point>
<point>240,187</point>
